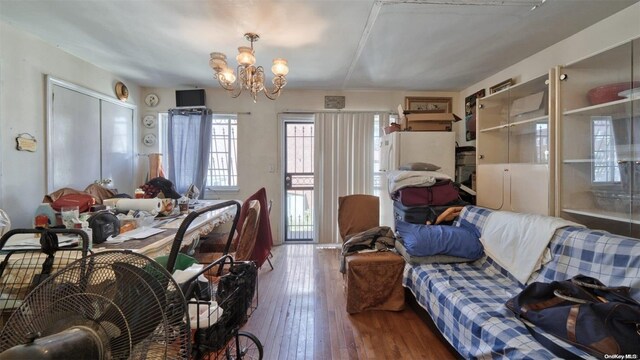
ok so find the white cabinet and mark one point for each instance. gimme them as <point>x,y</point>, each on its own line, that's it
<point>90,139</point>
<point>402,147</point>
<point>514,148</point>
<point>435,147</point>
<point>599,129</point>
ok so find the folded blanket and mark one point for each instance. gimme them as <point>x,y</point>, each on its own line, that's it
<point>378,239</point>
<point>517,241</point>
<point>400,179</point>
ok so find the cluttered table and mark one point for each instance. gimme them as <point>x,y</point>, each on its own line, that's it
<point>157,239</point>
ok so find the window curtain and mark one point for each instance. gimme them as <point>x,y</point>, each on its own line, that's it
<point>188,145</point>
<point>343,146</point>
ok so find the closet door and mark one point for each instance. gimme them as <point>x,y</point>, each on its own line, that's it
<point>74,141</point>
<point>117,147</point>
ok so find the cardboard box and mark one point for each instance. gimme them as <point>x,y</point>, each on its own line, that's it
<point>429,126</point>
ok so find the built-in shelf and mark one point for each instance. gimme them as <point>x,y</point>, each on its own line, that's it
<point>603,214</point>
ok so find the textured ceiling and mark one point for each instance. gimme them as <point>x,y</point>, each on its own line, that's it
<point>330,44</point>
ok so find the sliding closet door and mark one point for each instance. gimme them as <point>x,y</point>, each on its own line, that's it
<point>117,147</point>
<point>74,143</point>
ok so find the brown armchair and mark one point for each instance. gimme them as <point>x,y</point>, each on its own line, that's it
<point>373,281</point>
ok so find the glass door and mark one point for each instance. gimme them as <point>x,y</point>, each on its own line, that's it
<point>298,180</point>
<point>598,134</point>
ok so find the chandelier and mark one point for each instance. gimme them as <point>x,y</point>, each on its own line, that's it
<point>249,77</point>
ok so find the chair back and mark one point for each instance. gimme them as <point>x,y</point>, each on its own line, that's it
<point>357,213</point>
<point>249,232</point>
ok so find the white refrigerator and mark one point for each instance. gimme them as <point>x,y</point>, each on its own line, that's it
<point>402,147</point>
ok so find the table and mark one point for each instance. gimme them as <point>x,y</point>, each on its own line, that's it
<point>160,244</point>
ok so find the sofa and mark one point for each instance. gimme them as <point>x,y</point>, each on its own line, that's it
<point>466,300</point>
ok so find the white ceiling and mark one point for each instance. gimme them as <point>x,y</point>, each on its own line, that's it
<point>330,44</point>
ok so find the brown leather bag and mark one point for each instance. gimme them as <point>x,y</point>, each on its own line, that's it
<point>82,201</point>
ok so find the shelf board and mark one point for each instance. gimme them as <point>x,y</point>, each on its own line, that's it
<point>603,214</point>
<point>535,119</point>
<point>597,108</point>
<point>493,128</point>
<point>577,161</point>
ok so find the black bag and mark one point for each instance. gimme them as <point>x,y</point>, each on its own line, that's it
<point>421,214</point>
<point>103,224</point>
<point>582,311</point>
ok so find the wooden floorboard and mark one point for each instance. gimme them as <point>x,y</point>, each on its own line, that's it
<point>301,315</point>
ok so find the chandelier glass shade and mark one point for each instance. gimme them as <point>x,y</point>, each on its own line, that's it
<point>248,76</point>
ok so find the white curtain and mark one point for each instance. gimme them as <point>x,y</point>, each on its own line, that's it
<point>343,165</point>
<point>189,143</point>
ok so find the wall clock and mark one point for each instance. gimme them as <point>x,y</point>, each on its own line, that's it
<point>149,121</point>
<point>151,100</point>
<point>149,140</point>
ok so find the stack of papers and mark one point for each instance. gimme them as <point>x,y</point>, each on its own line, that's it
<point>29,241</point>
<point>135,234</point>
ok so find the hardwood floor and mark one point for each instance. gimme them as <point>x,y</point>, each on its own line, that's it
<point>301,315</point>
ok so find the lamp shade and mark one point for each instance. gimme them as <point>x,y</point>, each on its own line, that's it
<point>245,56</point>
<point>227,75</point>
<point>280,67</point>
<point>218,61</point>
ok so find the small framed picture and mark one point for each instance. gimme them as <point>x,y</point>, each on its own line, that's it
<point>500,86</point>
<point>428,104</point>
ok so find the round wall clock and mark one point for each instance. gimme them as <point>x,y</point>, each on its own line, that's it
<point>151,100</point>
<point>149,140</point>
<point>149,121</point>
<point>121,91</point>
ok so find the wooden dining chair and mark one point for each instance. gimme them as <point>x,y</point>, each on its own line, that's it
<point>243,244</point>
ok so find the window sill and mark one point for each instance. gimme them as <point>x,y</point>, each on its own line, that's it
<point>210,193</point>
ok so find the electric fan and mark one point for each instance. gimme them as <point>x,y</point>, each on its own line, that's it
<point>110,305</point>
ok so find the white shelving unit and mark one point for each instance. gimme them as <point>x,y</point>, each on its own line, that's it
<point>515,148</point>
<point>598,174</point>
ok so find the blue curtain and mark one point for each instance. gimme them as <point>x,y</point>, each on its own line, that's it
<point>189,142</point>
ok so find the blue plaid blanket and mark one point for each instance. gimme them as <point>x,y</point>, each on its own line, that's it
<point>466,300</point>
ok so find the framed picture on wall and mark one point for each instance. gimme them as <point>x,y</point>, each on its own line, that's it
<point>428,104</point>
<point>470,113</point>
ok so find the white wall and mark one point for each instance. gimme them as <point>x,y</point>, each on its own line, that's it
<point>24,62</point>
<point>616,29</point>
<point>259,134</point>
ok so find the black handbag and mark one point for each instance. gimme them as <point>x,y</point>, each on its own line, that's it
<point>103,224</point>
<point>603,321</point>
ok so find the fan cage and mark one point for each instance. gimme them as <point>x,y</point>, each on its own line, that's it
<point>131,298</point>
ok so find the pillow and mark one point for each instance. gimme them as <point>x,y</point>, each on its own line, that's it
<point>419,166</point>
<point>428,240</point>
<point>420,260</point>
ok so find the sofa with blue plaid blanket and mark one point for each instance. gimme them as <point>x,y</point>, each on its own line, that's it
<point>466,300</point>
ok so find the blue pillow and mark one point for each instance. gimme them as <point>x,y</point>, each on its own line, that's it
<point>428,240</point>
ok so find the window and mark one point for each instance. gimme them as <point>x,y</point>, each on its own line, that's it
<point>222,173</point>
<point>378,132</point>
<point>542,144</point>
<point>223,160</point>
<point>605,166</point>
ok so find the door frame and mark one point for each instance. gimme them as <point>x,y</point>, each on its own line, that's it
<point>283,118</point>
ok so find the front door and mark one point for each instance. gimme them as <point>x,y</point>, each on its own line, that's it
<point>298,180</point>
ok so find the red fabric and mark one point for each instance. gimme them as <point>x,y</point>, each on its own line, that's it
<point>264,239</point>
<point>443,192</point>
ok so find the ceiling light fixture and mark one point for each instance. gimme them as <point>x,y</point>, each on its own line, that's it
<point>249,77</point>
